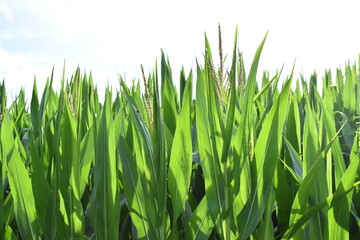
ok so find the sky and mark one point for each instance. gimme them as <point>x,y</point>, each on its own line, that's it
<point>113,38</point>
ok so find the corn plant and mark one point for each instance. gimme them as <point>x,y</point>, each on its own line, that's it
<point>239,159</point>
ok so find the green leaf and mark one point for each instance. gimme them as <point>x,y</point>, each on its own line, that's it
<point>160,136</point>
<point>104,203</point>
<point>133,170</point>
<point>20,184</point>
<point>40,185</point>
<point>69,171</point>
<point>339,203</point>
<point>153,179</point>
<point>311,148</point>
<point>168,95</point>
<point>242,137</point>
<point>267,152</point>
<point>87,157</point>
<point>339,212</point>
<point>200,224</point>
<point>301,198</point>
<point>348,92</point>
<point>339,163</point>
<point>179,173</point>
<point>214,181</point>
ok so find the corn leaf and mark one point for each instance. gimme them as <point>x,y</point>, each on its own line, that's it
<point>104,203</point>
<point>20,183</point>
<point>200,224</point>
<point>179,174</point>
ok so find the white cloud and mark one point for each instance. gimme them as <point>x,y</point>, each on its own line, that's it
<point>6,12</point>
<point>7,35</point>
<point>19,69</point>
<point>117,36</point>
<point>29,35</point>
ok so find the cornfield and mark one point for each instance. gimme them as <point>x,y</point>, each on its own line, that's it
<point>241,159</point>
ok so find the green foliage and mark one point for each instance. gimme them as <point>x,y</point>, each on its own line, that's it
<point>235,161</point>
